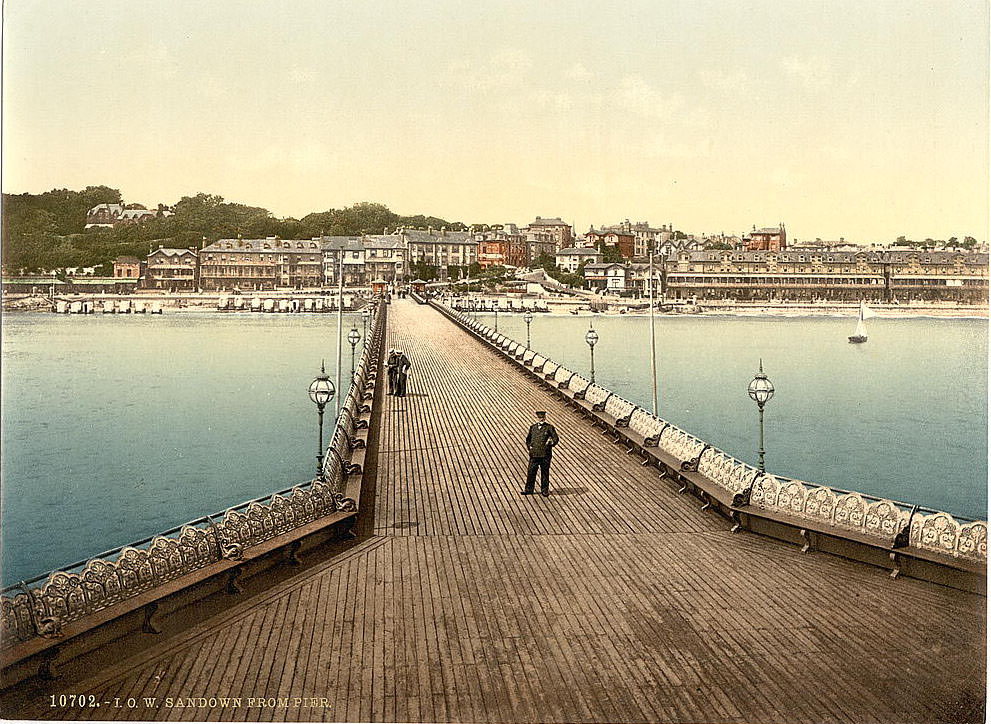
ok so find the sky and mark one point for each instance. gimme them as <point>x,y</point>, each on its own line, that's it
<point>862,120</point>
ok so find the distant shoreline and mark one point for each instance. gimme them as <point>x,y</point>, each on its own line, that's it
<point>202,302</point>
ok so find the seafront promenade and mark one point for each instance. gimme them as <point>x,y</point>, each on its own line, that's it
<point>614,599</point>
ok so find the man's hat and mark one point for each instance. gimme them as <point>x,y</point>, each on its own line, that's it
<point>541,413</point>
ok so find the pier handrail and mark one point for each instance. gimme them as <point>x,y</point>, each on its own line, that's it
<point>41,605</point>
<point>896,524</point>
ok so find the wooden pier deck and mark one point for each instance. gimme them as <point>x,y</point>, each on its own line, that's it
<point>614,599</point>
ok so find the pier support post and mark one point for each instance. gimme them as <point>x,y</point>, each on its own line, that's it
<point>233,586</point>
<point>150,625</point>
<point>48,668</point>
<point>292,555</point>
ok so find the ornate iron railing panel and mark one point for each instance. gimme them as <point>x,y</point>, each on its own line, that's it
<point>940,533</point>
<point>596,395</point>
<point>875,517</point>
<point>680,445</point>
<point>726,471</point>
<point>619,408</point>
<point>645,424</point>
<point>578,383</point>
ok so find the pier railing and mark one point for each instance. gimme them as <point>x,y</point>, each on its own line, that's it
<point>51,605</point>
<point>804,512</point>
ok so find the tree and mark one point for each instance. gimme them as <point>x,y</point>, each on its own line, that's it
<point>44,231</point>
<point>424,271</point>
<point>610,254</point>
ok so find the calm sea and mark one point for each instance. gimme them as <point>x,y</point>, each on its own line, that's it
<point>903,416</point>
<point>115,428</point>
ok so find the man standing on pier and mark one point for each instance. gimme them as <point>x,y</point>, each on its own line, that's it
<point>540,441</point>
<point>392,370</point>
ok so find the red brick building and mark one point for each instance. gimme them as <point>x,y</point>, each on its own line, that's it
<point>623,240</point>
<point>127,267</point>
<point>767,239</point>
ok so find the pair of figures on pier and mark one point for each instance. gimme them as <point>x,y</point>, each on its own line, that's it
<point>397,367</point>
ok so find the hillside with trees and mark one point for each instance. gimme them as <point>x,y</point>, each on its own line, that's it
<point>45,231</point>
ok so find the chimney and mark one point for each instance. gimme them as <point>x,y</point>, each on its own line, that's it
<point>430,230</point>
<point>443,231</point>
<point>385,231</point>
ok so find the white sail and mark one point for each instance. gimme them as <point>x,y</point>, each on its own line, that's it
<point>861,330</point>
<point>865,312</point>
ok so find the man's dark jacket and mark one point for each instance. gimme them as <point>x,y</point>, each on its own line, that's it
<point>541,439</point>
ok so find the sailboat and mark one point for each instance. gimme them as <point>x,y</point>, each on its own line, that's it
<point>860,335</point>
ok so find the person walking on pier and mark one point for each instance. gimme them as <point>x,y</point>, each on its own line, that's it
<point>392,369</point>
<point>540,441</point>
<point>402,373</point>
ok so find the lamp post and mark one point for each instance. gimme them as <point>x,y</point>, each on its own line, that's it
<point>495,307</point>
<point>591,337</point>
<point>528,317</point>
<point>760,390</point>
<point>365,314</point>
<point>322,391</point>
<point>653,346</point>
<point>354,336</point>
<point>340,322</point>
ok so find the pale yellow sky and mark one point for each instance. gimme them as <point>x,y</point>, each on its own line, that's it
<point>864,119</point>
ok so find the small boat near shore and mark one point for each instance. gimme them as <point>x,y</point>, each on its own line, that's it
<point>860,335</point>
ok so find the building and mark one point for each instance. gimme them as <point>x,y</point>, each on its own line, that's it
<point>135,214</point>
<point>570,258</point>
<point>766,239</point>
<point>624,241</point>
<point>385,258</point>
<point>176,270</point>
<point>606,277</point>
<point>261,264</point>
<point>824,275</point>
<point>547,230</point>
<point>352,248</point>
<point>441,248</point>
<point>107,216</point>
<point>127,267</point>
<point>103,216</point>
<point>539,243</point>
<point>34,284</point>
<point>501,246</point>
<point>645,236</point>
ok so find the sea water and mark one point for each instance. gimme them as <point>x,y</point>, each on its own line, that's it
<point>902,416</point>
<point>116,428</point>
